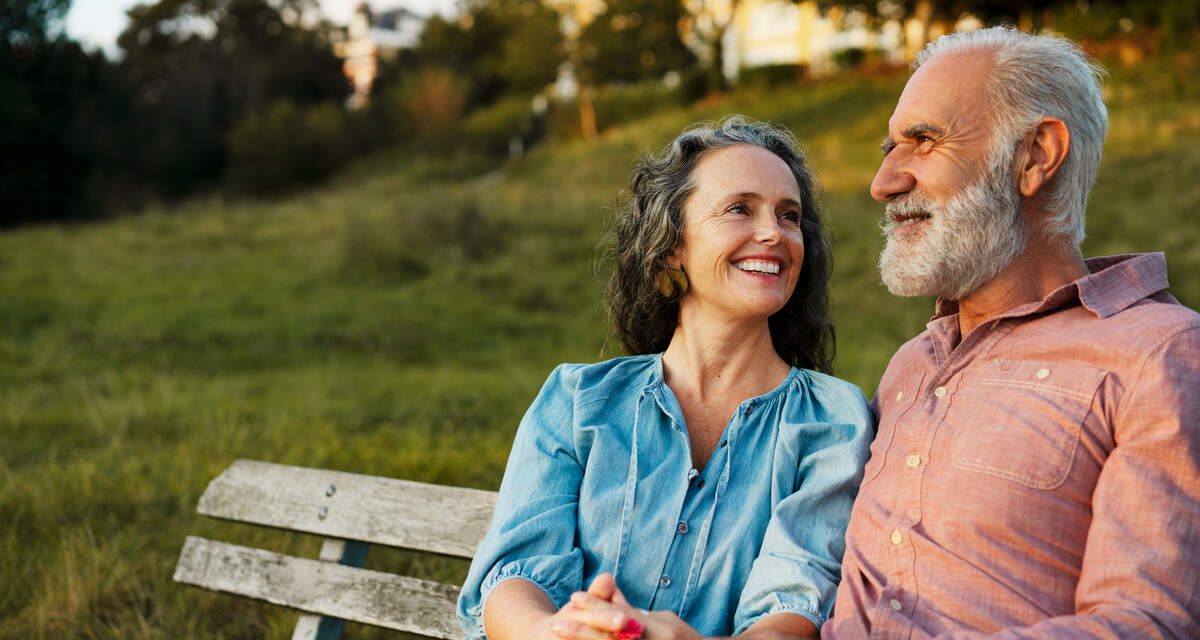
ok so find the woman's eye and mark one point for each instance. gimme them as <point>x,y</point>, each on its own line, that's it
<point>738,208</point>
<point>790,215</point>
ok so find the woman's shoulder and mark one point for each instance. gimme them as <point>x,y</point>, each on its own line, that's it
<point>602,379</point>
<point>835,394</point>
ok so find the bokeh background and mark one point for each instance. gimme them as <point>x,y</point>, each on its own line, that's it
<point>247,229</point>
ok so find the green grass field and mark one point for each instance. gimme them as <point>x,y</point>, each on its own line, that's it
<point>396,322</point>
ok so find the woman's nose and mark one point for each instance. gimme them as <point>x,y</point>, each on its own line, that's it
<point>768,231</point>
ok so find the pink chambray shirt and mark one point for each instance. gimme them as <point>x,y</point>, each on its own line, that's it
<point>1039,479</point>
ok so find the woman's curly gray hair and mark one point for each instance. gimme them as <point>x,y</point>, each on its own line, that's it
<point>649,226</point>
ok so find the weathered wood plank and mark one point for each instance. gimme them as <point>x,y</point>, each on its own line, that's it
<point>336,504</point>
<point>310,627</point>
<point>326,588</point>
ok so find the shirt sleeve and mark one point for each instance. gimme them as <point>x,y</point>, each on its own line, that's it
<point>799,564</point>
<point>1140,566</point>
<point>533,529</point>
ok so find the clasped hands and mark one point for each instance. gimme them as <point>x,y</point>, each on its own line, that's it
<point>603,613</point>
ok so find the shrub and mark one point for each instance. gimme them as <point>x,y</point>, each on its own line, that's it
<point>491,129</point>
<point>419,236</point>
<point>285,146</point>
<point>772,75</point>
<point>618,104</point>
<point>431,104</point>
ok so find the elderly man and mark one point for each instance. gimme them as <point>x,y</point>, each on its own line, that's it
<point>1036,473</point>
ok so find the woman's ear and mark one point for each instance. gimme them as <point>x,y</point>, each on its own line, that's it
<point>1046,148</point>
<point>675,258</point>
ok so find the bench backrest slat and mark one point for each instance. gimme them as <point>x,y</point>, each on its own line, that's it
<point>398,513</point>
<point>326,588</point>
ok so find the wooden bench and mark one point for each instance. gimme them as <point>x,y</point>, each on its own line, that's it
<point>351,511</point>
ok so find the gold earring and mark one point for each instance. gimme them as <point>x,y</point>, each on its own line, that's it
<point>672,282</point>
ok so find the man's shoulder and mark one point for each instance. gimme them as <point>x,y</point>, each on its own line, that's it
<point>1144,326</point>
<point>1159,314</point>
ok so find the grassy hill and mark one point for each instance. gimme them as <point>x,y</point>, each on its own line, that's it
<point>397,322</point>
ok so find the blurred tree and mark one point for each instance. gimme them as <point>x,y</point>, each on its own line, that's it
<point>499,46</point>
<point>202,66</point>
<point>706,23</point>
<point>61,119</point>
<point>633,40</point>
<point>1031,15</point>
<point>32,21</point>
<point>1177,21</point>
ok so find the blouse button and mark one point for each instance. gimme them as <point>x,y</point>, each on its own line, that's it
<point>895,604</point>
<point>940,392</point>
<point>664,581</point>
<point>1042,374</point>
<point>899,396</point>
<point>913,461</point>
<point>896,537</point>
<point>681,528</point>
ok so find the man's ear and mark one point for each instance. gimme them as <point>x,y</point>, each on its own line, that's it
<point>1046,148</point>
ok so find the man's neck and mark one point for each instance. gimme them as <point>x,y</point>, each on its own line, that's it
<point>1032,276</point>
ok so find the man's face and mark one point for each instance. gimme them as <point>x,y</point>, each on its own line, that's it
<point>953,216</point>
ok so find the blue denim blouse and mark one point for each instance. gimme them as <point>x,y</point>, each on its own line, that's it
<point>600,478</point>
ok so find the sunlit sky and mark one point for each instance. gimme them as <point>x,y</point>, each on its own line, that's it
<point>97,23</point>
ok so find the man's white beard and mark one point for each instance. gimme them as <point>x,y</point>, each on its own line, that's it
<point>964,244</point>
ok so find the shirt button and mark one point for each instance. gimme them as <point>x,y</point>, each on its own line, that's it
<point>746,411</point>
<point>899,396</point>
<point>692,473</point>
<point>1042,374</point>
<point>940,392</point>
<point>913,461</point>
<point>681,528</point>
<point>664,581</point>
<point>895,604</point>
<point>896,537</point>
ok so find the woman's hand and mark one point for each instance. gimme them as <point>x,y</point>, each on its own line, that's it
<point>606,602</point>
<point>519,610</point>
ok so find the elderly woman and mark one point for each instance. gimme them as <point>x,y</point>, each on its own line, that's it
<point>701,486</point>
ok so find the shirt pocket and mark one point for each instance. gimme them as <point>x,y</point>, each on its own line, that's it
<point>1020,420</point>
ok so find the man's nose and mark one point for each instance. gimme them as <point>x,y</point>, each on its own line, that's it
<point>891,180</point>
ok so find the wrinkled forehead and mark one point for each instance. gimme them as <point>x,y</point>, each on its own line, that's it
<point>947,89</point>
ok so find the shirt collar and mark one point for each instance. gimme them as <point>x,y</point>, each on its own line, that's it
<point>1113,284</point>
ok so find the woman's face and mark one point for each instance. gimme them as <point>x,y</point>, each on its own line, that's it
<point>742,247</point>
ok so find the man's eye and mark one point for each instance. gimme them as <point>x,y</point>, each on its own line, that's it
<point>923,141</point>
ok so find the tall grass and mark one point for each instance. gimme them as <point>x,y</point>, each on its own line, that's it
<point>396,322</point>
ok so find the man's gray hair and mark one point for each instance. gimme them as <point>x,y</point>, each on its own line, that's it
<point>1036,77</point>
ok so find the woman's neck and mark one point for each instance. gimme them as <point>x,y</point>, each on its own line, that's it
<point>713,359</point>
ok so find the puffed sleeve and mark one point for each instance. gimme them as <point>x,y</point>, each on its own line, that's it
<point>799,564</point>
<point>533,530</point>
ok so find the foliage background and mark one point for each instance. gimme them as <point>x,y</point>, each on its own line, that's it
<point>397,319</point>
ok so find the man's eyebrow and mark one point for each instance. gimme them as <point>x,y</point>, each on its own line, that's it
<point>911,131</point>
<point>921,128</point>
